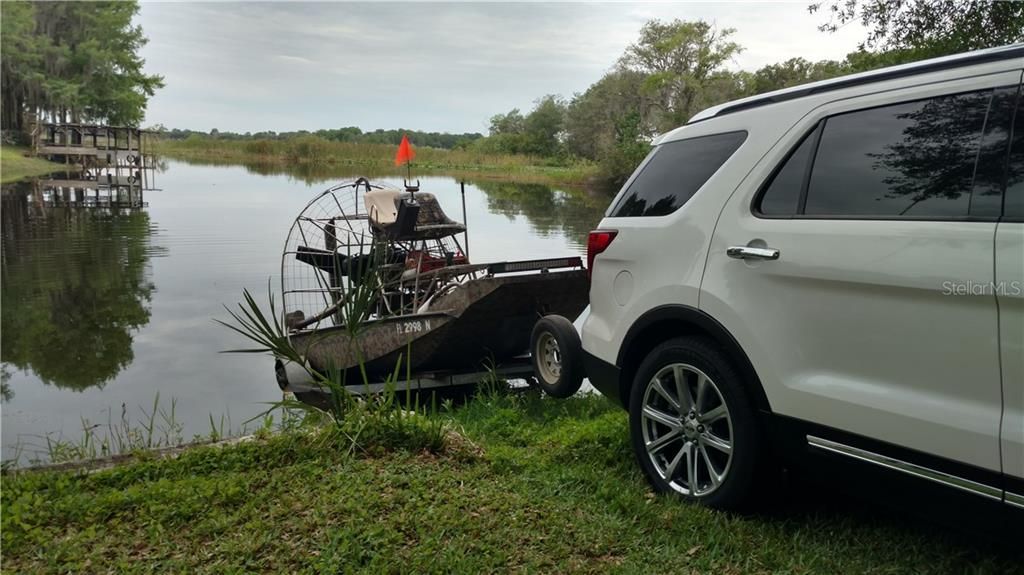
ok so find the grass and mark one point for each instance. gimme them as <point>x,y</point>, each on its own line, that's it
<point>527,484</point>
<point>15,164</point>
<point>141,431</point>
<point>324,157</point>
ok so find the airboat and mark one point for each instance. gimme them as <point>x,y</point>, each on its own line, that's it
<point>378,288</point>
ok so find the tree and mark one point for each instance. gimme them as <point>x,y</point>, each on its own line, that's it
<point>539,133</point>
<point>591,118</point>
<point>792,72</point>
<point>629,148</point>
<point>21,64</point>
<point>74,61</point>
<point>510,123</point>
<point>678,60</point>
<point>544,127</point>
<point>932,27</point>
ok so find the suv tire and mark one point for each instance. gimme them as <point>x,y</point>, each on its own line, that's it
<point>705,445</point>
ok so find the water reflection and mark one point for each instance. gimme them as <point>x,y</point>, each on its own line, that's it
<point>306,173</point>
<point>74,287</point>
<point>550,211</point>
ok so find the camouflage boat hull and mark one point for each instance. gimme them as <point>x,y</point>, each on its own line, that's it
<point>484,320</point>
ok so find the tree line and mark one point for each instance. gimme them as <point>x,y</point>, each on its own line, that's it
<point>675,69</point>
<point>72,61</point>
<point>348,134</point>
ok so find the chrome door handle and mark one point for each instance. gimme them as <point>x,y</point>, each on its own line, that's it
<point>747,252</point>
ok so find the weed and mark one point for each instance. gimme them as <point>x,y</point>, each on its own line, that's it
<point>370,422</point>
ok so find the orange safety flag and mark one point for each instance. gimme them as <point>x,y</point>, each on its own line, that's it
<point>405,152</point>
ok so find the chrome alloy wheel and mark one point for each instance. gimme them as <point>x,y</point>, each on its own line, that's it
<point>550,363</point>
<point>687,430</point>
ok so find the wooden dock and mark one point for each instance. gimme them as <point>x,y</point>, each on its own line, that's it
<point>102,162</point>
<point>91,143</point>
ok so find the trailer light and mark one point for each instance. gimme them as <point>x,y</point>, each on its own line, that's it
<point>597,242</point>
<point>534,265</point>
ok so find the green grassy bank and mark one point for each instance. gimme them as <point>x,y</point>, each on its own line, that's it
<point>15,165</point>
<point>326,156</point>
<point>527,485</point>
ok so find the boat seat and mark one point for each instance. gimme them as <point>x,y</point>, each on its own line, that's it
<point>382,205</point>
<point>431,221</point>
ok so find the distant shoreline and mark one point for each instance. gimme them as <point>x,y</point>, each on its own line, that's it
<point>374,160</point>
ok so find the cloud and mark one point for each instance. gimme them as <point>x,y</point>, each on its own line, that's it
<point>294,59</point>
<point>446,67</point>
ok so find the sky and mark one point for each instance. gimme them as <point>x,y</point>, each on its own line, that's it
<point>254,66</point>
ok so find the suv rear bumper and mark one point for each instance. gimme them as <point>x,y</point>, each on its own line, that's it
<point>603,376</point>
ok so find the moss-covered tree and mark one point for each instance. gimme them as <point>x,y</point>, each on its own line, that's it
<point>74,61</point>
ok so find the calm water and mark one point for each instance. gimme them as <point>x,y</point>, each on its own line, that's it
<point>103,310</point>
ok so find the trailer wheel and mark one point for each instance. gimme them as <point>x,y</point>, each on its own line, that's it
<point>556,354</point>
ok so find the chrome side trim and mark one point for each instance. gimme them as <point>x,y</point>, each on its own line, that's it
<point>909,468</point>
<point>1014,499</point>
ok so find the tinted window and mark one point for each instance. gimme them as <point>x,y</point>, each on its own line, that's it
<point>782,198</point>
<point>675,172</point>
<point>990,173</point>
<point>1013,208</point>
<point>910,159</point>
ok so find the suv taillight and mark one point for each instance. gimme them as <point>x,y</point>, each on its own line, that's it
<point>597,242</point>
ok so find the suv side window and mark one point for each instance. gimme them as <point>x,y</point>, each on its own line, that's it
<point>914,159</point>
<point>674,173</point>
<point>990,173</point>
<point>782,196</point>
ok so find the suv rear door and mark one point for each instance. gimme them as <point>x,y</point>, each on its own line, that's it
<point>870,324</point>
<point>1010,297</point>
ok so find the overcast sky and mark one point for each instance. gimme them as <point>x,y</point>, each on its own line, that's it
<point>435,67</point>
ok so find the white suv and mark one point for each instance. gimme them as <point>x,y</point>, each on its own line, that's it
<point>833,270</point>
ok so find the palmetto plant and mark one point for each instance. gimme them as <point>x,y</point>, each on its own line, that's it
<point>366,420</point>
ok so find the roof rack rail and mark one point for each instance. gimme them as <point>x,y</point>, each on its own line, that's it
<point>870,77</point>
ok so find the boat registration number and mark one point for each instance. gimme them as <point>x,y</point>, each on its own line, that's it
<point>413,326</point>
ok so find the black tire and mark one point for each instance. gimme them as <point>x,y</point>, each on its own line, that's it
<point>558,367</point>
<point>699,434</point>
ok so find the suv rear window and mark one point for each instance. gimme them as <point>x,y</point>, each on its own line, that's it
<point>675,171</point>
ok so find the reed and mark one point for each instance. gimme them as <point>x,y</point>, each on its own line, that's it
<point>135,432</point>
<point>305,153</point>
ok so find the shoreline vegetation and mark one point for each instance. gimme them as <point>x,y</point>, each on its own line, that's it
<point>322,156</point>
<point>16,164</point>
<point>517,482</point>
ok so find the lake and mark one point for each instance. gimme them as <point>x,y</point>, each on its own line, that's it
<point>103,309</point>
